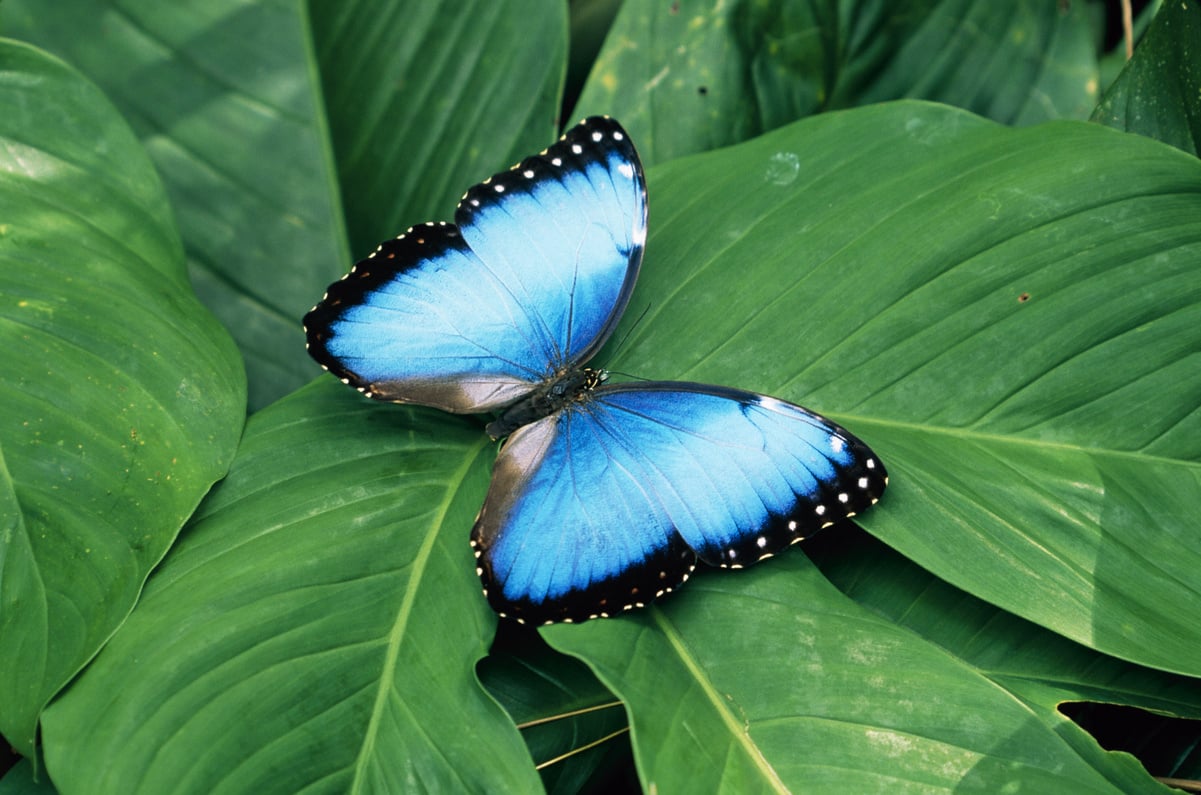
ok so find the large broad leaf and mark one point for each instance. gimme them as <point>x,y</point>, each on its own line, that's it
<point>1159,712</point>
<point>1010,318</point>
<point>1158,94</point>
<point>688,77</point>
<point>310,630</point>
<point>224,96</point>
<point>1039,667</point>
<point>426,98</point>
<point>121,398</point>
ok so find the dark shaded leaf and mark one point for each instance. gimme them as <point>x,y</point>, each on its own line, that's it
<point>574,726</point>
<point>1158,94</point>
<point>19,781</point>
<point>686,79</point>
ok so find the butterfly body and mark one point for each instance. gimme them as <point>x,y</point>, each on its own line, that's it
<point>553,395</point>
<point>604,496</point>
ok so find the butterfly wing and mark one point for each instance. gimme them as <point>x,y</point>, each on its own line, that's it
<point>529,281</point>
<point>609,503</point>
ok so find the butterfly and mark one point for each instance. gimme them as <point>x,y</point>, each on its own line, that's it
<point>603,496</point>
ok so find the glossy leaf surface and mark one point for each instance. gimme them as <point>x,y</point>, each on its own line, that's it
<point>745,687</point>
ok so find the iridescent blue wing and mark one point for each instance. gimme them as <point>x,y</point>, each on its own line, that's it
<point>610,502</point>
<point>529,281</point>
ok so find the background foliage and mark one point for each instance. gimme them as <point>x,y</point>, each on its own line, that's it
<point>892,213</point>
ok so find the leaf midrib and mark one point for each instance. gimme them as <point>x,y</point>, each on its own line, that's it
<point>728,719</point>
<point>400,626</point>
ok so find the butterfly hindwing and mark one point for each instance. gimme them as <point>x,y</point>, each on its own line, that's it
<point>556,541</point>
<point>610,501</point>
<point>528,282</point>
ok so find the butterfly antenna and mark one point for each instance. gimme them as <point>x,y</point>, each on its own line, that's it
<point>575,278</point>
<point>626,338</point>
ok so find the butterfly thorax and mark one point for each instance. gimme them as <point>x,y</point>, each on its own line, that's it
<point>555,393</point>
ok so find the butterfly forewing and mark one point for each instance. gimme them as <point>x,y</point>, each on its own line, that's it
<point>577,215</point>
<point>528,283</point>
<point>388,327</point>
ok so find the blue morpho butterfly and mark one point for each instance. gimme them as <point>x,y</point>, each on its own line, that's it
<point>604,496</point>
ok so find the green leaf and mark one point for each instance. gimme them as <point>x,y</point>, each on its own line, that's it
<point>777,682</point>
<point>425,99</point>
<point>685,79</point>
<point>310,629</point>
<point>20,781</point>
<point>1016,63</point>
<point>1011,318</point>
<point>1158,94</point>
<point>224,96</point>
<point>676,75</point>
<point>121,398</point>
<point>1008,317</point>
